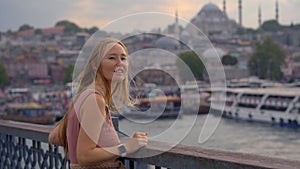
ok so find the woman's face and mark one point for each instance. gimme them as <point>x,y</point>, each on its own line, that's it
<point>114,64</point>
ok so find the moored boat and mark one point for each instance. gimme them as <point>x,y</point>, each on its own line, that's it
<point>29,113</point>
<point>274,105</point>
<point>158,107</point>
<point>195,99</point>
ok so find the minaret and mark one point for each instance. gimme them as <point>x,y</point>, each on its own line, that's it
<point>176,15</point>
<point>224,6</point>
<point>259,17</point>
<point>276,11</point>
<point>176,26</point>
<point>240,13</point>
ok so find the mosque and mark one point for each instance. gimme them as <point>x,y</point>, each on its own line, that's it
<point>211,20</point>
<point>209,23</point>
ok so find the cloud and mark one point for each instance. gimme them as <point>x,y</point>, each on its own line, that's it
<point>14,13</point>
<point>84,12</point>
<point>87,13</point>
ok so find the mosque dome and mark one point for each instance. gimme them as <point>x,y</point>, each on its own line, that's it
<point>211,20</point>
<point>211,13</point>
<point>167,43</point>
<point>213,53</point>
<point>209,8</point>
<point>185,36</point>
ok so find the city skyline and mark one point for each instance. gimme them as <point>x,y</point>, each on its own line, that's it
<point>88,13</point>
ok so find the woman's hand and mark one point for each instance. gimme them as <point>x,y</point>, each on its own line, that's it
<point>138,140</point>
<point>140,135</point>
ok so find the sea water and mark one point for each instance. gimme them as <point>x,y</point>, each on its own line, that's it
<point>230,134</point>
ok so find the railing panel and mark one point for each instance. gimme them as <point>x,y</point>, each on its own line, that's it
<point>26,146</point>
<point>17,153</point>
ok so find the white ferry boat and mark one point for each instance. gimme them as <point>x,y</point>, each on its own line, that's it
<point>194,98</point>
<point>275,105</point>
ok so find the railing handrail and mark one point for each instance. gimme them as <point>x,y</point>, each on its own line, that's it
<point>180,156</point>
<point>26,130</point>
<point>200,157</point>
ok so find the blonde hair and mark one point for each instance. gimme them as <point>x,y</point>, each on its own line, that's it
<point>89,74</point>
<point>116,96</point>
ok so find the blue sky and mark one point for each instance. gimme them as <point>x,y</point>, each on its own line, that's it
<point>88,13</point>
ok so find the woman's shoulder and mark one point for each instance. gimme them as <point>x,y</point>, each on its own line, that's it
<point>89,94</point>
<point>94,99</point>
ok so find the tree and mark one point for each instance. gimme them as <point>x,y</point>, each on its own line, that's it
<point>266,60</point>
<point>25,27</point>
<point>271,26</point>
<point>4,79</point>
<point>92,30</point>
<point>70,27</point>
<point>193,62</point>
<point>38,31</point>
<point>297,58</point>
<point>68,74</point>
<point>244,30</point>
<point>229,60</point>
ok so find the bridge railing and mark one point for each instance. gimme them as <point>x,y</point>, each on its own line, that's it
<point>26,146</point>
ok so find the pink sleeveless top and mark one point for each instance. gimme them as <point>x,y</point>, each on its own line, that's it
<point>108,135</point>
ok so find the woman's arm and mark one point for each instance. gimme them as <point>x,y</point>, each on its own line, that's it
<point>92,117</point>
<point>88,153</point>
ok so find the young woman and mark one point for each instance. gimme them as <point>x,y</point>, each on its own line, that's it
<point>86,131</point>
